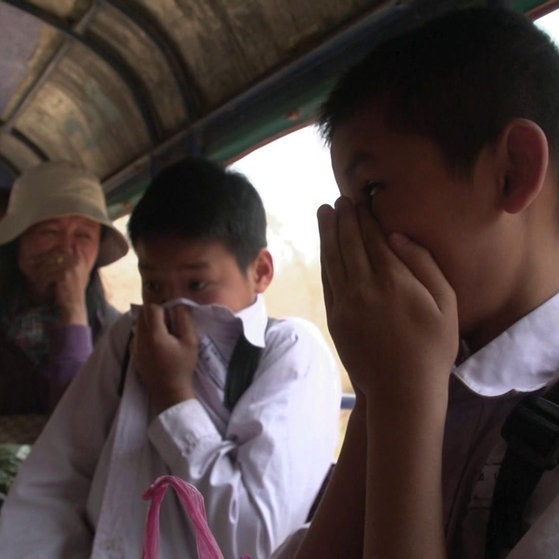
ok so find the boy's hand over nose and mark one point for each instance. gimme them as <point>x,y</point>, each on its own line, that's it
<point>165,361</point>
<point>390,310</point>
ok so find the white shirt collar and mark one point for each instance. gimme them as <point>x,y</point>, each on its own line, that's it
<point>255,320</point>
<point>524,358</point>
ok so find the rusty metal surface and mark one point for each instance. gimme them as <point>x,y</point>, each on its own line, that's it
<point>124,85</point>
<point>230,43</point>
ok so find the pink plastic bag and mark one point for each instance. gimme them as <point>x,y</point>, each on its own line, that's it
<point>193,504</point>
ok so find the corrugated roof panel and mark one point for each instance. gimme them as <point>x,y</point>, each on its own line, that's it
<point>68,10</point>
<point>20,156</point>
<point>85,113</point>
<point>26,45</point>
<point>228,45</point>
<point>142,53</point>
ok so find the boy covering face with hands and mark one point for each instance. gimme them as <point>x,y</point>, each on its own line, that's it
<point>215,392</point>
<point>440,265</point>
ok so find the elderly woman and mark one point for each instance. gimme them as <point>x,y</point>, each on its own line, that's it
<point>54,236</point>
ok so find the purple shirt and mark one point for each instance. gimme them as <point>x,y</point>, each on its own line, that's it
<point>70,347</point>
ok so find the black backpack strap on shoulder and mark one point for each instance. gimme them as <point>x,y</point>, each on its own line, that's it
<point>242,366</point>
<point>240,372</point>
<point>532,435</point>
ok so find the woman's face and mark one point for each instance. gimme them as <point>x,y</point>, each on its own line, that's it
<point>56,244</point>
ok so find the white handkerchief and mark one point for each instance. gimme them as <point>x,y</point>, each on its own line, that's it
<point>209,320</point>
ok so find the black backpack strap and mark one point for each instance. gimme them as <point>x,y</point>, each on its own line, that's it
<point>532,434</point>
<point>240,372</point>
<point>242,366</point>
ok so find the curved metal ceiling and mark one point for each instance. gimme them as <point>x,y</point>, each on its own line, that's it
<point>125,86</point>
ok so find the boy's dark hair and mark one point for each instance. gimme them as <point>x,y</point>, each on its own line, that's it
<point>200,200</point>
<point>459,79</point>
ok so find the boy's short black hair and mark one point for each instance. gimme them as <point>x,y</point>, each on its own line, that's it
<point>200,200</point>
<point>458,79</point>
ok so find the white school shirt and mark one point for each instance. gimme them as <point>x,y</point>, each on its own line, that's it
<point>79,493</point>
<point>483,389</point>
<point>486,386</point>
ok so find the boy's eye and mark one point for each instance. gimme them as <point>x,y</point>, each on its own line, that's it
<point>150,286</point>
<point>197,285</point>
<point>372,187</point>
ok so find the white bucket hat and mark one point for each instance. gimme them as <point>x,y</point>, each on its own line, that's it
<point>57,189</point>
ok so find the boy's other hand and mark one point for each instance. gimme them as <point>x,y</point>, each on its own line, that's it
<point>165,361</point>
<point>390,310</point>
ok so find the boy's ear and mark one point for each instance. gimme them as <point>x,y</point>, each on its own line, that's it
<point>525,149</point>
<point>262,270</point>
